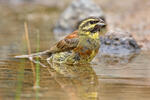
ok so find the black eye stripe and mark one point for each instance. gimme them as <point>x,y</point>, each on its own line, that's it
<point>93,22</point>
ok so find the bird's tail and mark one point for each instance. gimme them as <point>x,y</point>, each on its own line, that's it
<point>39,54</point>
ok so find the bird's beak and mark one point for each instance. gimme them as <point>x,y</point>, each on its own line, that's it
<point>101,24</point>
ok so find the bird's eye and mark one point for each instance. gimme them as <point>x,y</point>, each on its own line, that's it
<point>93,22</point>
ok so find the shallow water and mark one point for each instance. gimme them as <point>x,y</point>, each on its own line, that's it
<point>98,81</point>
<point>79,82</point>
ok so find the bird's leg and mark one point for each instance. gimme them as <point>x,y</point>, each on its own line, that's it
<point>48,61</point>
<point>36,62</point>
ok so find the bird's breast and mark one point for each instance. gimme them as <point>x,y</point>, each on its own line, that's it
<point>88,47</point>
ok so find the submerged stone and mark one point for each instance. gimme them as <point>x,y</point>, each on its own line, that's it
<point>118,46</point>
<point>77,10</point>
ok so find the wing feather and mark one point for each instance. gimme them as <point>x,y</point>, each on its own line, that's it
<point>68,43</point>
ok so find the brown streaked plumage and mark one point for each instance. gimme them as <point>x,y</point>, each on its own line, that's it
<point>68,43</point>
<point>81,46</point>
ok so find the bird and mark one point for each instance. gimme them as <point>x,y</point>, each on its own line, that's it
<point>79,47</point>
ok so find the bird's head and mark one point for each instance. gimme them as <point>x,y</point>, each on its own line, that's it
<point>92,26</point>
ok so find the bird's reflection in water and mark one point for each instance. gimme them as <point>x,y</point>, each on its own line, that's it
<point>78,81</point>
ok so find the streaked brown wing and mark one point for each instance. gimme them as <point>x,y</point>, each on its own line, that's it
<point>68,43</point>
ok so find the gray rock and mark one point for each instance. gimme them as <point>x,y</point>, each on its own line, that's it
<point>118,46</point>
<point>49,3</point>
<point>77,10</point>
<point>16,2</point>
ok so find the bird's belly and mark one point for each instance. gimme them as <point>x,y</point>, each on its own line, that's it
<point>72,57</point>
<point>84,53</point>
<point>88,50</point>
<point>68,57</point>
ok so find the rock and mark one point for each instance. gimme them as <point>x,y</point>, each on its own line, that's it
<point>48,3</point>
<point>118,46</point>
<point>77,10</point>
<point>16,2</point>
